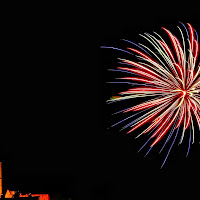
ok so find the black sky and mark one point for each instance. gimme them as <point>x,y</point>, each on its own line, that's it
<point>116,169</point>
<point>54,113</point>
<point>37,148</point>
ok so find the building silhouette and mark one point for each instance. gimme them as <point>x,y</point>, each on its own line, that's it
<point>12,194</point>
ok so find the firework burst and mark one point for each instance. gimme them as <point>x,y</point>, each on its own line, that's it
<point>170,77</point>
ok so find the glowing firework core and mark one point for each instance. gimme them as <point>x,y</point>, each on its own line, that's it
<point>184,93</point>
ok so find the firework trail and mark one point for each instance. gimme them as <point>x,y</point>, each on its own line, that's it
<point>171,78</point>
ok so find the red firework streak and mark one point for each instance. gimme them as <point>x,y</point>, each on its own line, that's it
<point>171,78</point>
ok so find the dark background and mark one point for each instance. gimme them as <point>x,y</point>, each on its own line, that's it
<point>54,116</point>
<point>37,145</point>
<point>118,171</point>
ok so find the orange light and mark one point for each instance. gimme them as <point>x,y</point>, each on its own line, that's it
<point>41,196</point>
<point>0,179</point>
<point>9,194</point>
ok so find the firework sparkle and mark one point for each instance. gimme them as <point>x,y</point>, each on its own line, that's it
<point>170,77</point>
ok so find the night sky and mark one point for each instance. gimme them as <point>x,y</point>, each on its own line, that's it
<point>122,172</point>
<point>37,148</point>
<point>54,135</point>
